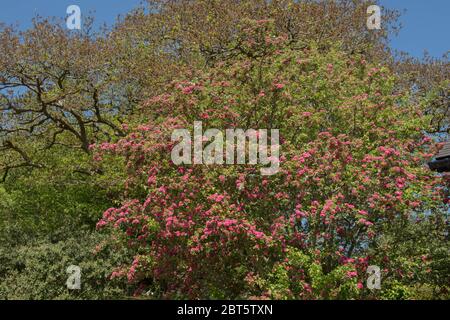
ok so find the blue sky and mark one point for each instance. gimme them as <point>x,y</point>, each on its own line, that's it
<point>426,23</point>
<point>22,11</point>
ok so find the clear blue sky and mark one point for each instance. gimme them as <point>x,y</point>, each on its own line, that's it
<point>426,23</point>
<point>22,11</point>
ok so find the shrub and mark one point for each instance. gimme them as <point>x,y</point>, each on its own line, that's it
<point>38,270</point>
<point>352,166</point>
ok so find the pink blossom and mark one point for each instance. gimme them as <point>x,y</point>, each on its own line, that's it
<point>188,90</point>
<point>365,222</point>
<point>352,274</point>
<point>216,197</point>
<point>279,85</point>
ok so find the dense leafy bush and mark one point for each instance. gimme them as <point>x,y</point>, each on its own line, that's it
<point>38,270</point>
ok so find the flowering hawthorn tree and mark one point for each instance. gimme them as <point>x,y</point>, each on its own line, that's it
<point>352,166</point>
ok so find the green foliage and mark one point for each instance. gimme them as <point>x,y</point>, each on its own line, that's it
<point>49,209</point>
<point>38,270</point>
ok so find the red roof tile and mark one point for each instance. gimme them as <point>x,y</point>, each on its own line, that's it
<point>444,152</point>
